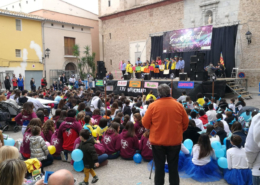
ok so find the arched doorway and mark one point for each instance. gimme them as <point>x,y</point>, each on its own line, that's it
<point>70,67</point>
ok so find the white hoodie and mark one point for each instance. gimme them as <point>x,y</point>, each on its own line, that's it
<point>252,146</point>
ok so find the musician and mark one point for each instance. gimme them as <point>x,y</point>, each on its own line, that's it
<point>211,69</point>
<point>221,70</point>
<point>182,65</point>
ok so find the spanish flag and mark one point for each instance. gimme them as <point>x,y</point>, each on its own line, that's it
<point>221,59</point>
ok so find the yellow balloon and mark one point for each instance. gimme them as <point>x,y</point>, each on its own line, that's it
<point>52,149</point>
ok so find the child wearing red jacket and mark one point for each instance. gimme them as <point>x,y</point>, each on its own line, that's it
<point>145,147</point>
<point>139,129</point>
<point>110,140</point>
<point>68,133</point>
<point>203,117</point>
<point>128,142</point>
<point>55,141</point>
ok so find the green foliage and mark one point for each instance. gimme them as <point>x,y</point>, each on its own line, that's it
<point>85,63</point>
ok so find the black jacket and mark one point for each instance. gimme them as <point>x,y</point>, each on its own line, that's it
<point>63,79</point>
<point>127,110</point>
<point>7,84</point>
<point>221,133</point>
<point>90,156</point>
<point>23,100</point>
<point>192,133</point>
<point>32,83</point>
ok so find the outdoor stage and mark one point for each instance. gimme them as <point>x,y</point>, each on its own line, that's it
<point>137,87</point>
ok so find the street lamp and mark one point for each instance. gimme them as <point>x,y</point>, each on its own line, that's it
<point>47,52</point>
<point>248,36</point>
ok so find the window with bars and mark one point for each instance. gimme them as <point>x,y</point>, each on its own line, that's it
<point>18,53</point>
<point>18,24</point>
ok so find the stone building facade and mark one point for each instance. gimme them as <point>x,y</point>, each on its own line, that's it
<point>126,27</point>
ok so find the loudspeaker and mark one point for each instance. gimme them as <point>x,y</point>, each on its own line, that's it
<point>101,70</point>
<point>193,66</point>
<point>201,76</point>
<point>147,77</point>
<point>192,76</point>
<point>183,76</point>
<point>193,58</point>
<point>200,66</point>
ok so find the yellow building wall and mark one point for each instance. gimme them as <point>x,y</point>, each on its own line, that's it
<point>29,41</point>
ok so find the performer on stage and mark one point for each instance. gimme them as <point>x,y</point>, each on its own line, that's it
<point>138,61</point>
<point>123,66</point>
<point>182,65</point>
<point>167,66</point>
<point>159,61</point>
<point>211,69</point>
<point>156,71</point>
<point>178,67</point>
<point>173,65</point>
<point>152,71</point>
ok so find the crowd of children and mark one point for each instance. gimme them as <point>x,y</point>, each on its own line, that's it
<point>119,132</point>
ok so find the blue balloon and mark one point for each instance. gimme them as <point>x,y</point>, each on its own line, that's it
<point>219,153</point>
<point>9,142</point>
<point>222,162</point>
<point>77,155</point>
<point>188,144</point>
<point>216,145</point>
<point>78,166</point>
<point>137,158</point>
<point>225,141</point>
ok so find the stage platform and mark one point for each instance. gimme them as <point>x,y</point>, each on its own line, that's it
<point>176,79</point>
<point>137,87</point>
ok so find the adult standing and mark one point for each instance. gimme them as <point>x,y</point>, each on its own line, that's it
<point>14,81</point>
<point>32,83</point>
<point>20,82</point>
<point>43,82</point>
<point>63,79</point>
<point>138,61</point>
<point>90,81</point>
<point>167,120</point>
<point>252,148</point>
<point>7,83</point>
<point>96,102</point>
<point>72,80</point>
<point>123,67</point>
<point>178,67</point>
<point>182,65</point>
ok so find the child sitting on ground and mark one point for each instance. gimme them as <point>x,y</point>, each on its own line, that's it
<point>88,124</point>
<point>238,172</point>
<point>81,117</point>
<point>110,139</point>
<point>90,157</point>
<point>145,147</point>
<point>47,130</point>
<point>39,148</point>
<point>128,142</point>
<point>55,141</point>
<point>200,166</point>
<point>68,133</point>
<point>194,116</point>
<point>139,129</point>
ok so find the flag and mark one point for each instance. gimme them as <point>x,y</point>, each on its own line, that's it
<point>221,59</point>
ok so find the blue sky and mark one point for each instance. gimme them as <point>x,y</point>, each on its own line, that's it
<point>90,5</point>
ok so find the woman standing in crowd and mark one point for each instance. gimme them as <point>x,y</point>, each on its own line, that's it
<point>7,83</point>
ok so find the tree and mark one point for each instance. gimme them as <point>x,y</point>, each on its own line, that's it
<point>86,62</point>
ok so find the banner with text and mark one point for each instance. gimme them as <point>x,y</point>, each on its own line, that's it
<point>151,85</point>
<point>192,39</point>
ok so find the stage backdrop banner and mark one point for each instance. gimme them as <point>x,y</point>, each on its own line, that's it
<point>151,85</point>
<point>186,40</point>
